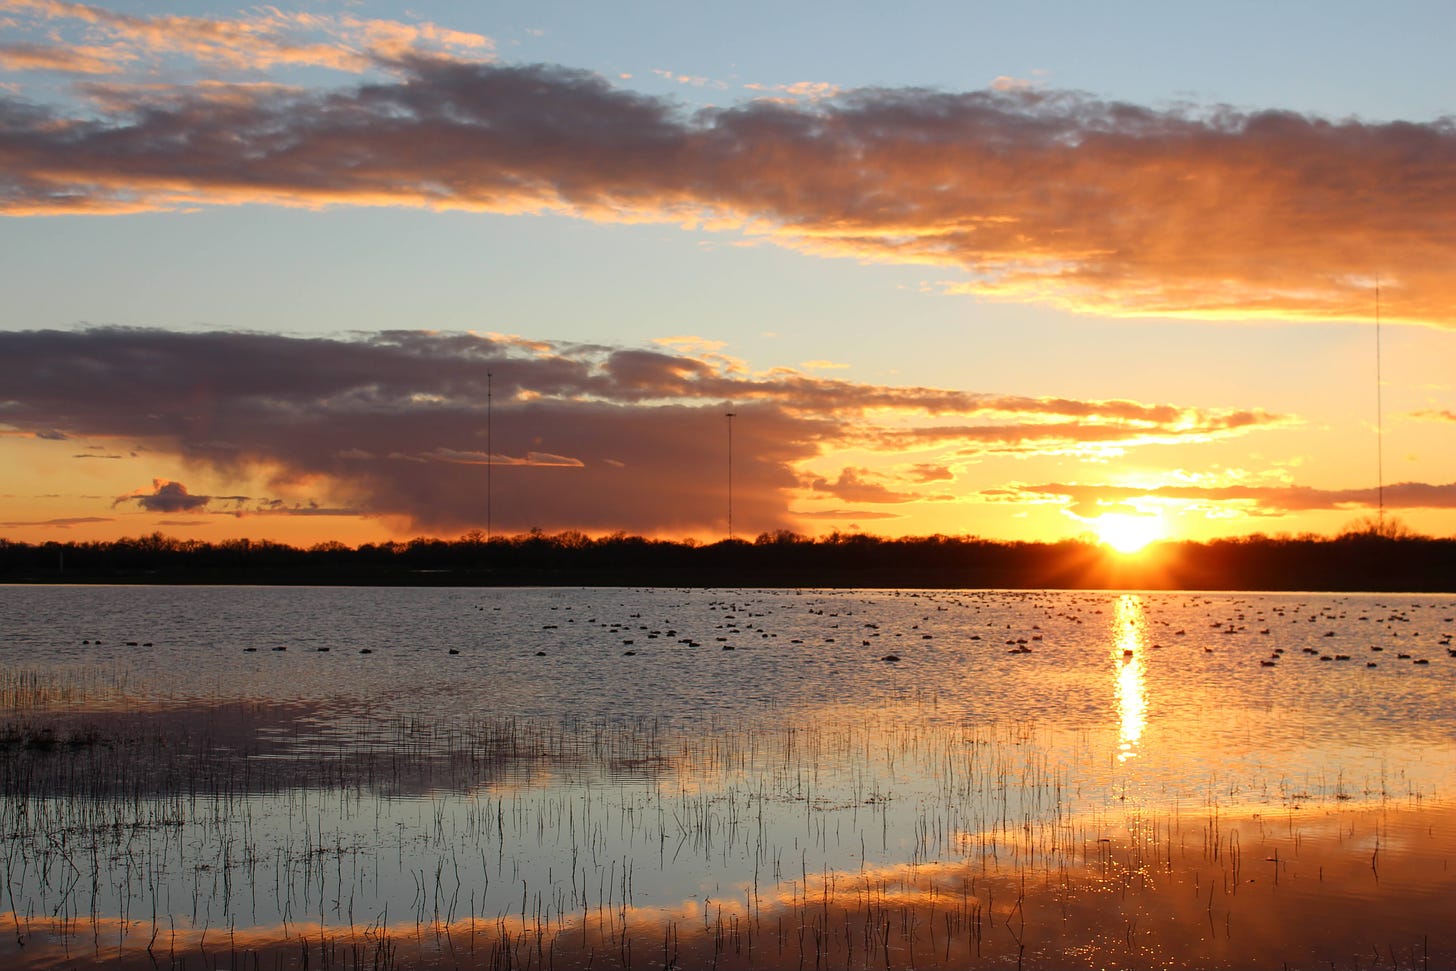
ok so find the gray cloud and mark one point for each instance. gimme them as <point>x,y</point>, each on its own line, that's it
<point>1036,195</point>
<point>584,436</point>
<point>166,497</point>
<point>62,523</point>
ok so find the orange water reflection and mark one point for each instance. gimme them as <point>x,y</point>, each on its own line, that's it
<point>1130,678</point>
<point>1196,891</point>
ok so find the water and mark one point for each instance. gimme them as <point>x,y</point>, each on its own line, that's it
<point>1191,678</point>
<point>559,760</point>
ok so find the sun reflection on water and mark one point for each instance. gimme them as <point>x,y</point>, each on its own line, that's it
<point>1129,652</point>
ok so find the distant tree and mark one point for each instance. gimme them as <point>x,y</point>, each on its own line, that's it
<point>1379,527</point>
<point>572,539</point>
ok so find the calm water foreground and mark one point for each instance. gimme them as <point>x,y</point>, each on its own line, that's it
<point>286,777</point>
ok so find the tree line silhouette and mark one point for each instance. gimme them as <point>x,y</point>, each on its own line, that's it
<point>1369,558</point>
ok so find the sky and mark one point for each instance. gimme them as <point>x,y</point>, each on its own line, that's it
<point>360,271</point>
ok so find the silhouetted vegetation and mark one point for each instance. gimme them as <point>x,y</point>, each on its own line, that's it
<point>1362,559</point>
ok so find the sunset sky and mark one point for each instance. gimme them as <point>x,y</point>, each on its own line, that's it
<point>1016,270</point>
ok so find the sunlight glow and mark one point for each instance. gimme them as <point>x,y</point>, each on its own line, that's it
<point>1130,664</point>
<point>1127,533</point>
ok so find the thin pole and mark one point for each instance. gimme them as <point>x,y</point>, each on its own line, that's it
<point>1379,417</point>
<point>730,416</point>
<point>489,452</point>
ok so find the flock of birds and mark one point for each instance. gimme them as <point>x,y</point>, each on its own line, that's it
<point>1384,627</point>
<point>739,619</point>
<point>833,619</point>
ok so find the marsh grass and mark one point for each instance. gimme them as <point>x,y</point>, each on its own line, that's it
<point>34,690</point>
<point>236,835</point>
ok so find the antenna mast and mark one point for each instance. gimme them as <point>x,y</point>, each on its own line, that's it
<point>730,416</point>
<point>489,453</point>
<point>1379,418</point>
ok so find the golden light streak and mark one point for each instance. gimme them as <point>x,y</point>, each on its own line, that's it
<point>1129,658</point>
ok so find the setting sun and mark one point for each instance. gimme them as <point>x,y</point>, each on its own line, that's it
<point>1127,533</point>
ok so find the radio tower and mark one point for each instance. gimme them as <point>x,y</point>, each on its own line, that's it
<point>1379,420</point>
<point>730,416</point>
<point>489,453</point>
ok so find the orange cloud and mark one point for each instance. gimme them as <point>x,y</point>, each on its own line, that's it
<point>581,436</point>
<point>80,59</point>
<point>799,89</point>
<point>268,38</point>
<point>858,485</point>
<point>1096,432</point>
<point>1035,195</point>
<point>928,472</point>
<point>530,459</point>
<point>1089,500</point>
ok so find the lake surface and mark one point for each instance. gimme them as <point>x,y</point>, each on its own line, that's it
<point>468,777</point>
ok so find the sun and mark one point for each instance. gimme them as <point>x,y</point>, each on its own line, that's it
<point>1127,533</point>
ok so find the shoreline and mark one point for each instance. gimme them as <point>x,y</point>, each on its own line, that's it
<point>1346,564</point>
